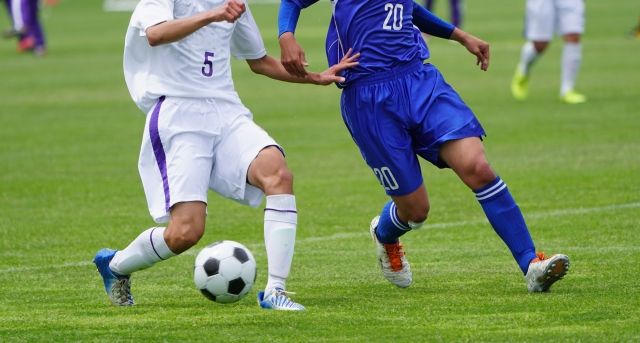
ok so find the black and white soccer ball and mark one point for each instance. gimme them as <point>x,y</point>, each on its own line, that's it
<point>224,271</point>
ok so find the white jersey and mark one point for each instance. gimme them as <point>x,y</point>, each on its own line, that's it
<point>197,66</point>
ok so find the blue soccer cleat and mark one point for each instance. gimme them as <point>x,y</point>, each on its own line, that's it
<point>118,287</point>
<point>278,299</point>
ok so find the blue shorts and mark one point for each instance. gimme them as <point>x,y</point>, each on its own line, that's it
<point>403,113</point>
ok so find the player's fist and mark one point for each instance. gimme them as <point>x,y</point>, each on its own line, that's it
<point>229,11</point>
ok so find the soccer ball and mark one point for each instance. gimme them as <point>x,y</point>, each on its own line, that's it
<point>224,271</point>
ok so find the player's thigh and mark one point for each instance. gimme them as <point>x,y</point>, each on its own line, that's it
<point>439,116</point>
<point>240,145</point>
<point>374,116</point>
<point>540,20</point>
<point>571,16</point>
<point>176,155</point>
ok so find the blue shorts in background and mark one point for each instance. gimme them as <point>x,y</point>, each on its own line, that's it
<point>403,113</point>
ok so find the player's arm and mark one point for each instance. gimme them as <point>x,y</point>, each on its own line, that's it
<point>474,45</point>
<point>291,53</point>
<point>430,24</point>
<point>274,69</point>
<point>174,30</point>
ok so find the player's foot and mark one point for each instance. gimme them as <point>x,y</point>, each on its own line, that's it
<point>118,287</point>
<point>26,44</point>
<point>278,299</point>
<point>520,86</point>
<point>10,33</point>
<point>545,271</point>
<point>391,258</point>
<point>572,97</point>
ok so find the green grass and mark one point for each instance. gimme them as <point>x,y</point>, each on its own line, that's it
<point>70,135</point>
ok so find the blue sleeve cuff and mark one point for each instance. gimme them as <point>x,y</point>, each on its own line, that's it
<point>428,23</point>
<point>288,16</point>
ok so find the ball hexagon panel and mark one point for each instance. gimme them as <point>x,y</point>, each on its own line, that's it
<point>217,284</point>
<point>249,271</point>
<point>200,277</point>
<point>230,268</point>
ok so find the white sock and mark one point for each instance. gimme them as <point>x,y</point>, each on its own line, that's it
<point>280,220</point>
<point>147,249</point>
<point>571,59</point>
<point>528,55</point>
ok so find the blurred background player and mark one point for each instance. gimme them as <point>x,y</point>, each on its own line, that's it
<point>397,109</point>
<point>543,19</point>
<point>455,7</point>
<point>198,135</point>
<point>27,26</point>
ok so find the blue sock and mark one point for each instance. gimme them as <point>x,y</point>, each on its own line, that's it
<point>390,227</point>
<point>506,219</point>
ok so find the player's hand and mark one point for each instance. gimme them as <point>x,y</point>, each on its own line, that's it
<point>230,11</point>
<point>474,45</point>
<point>331,75</point>
<point>292,55</point>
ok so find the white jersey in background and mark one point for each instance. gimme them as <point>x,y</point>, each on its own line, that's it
<point>197,66</point>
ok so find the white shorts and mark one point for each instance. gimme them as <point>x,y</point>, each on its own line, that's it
<point>191,145</point>
<point>544,18</point>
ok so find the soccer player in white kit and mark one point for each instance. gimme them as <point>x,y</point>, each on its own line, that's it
<point>198,135</point>
<point>543,19</point>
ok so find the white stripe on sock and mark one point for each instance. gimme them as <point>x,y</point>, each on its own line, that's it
<point>394,218</point>
<point>490,189</point>
<point>493,193</point>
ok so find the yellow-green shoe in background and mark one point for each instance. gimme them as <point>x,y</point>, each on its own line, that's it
<point>520,86</point>
<point>572,97</point>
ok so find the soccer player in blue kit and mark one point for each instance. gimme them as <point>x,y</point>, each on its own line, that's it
<point>398,108</point>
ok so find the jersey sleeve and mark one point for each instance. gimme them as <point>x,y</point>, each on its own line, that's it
<point>246,41</point>
<point>151,12</point>
<point>429,23</point>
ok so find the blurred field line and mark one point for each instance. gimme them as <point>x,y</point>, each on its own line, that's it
<point>255,246</point>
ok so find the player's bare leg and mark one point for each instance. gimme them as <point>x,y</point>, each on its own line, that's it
<point>186,227</point>
<point>467,158</point>
<point>269,172</point>
<point>571,60</point>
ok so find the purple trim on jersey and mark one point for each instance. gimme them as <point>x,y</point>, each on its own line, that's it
<point>285,211</point>
<point>158,150</point>
<point>152,245</point>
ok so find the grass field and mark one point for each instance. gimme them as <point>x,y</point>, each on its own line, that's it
<point>69,185</point>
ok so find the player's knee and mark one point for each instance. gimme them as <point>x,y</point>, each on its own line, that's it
<point>280,180</point>
<point>479,174</point>
<point>184,234</point>
<point>415,212</point>
<point>419,216</point>
<point>540,46</point>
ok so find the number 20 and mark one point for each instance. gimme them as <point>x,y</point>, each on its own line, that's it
<point>386,178</point>
<point>396,11</point>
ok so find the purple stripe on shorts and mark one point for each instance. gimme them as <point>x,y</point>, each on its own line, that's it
<point>158,150</point>
<point>152,245</point>
<point>286,211</point>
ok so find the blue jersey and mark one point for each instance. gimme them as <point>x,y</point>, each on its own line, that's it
<point>381,31</point>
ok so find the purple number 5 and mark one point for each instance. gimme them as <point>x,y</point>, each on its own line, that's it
<point>207,69</point>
